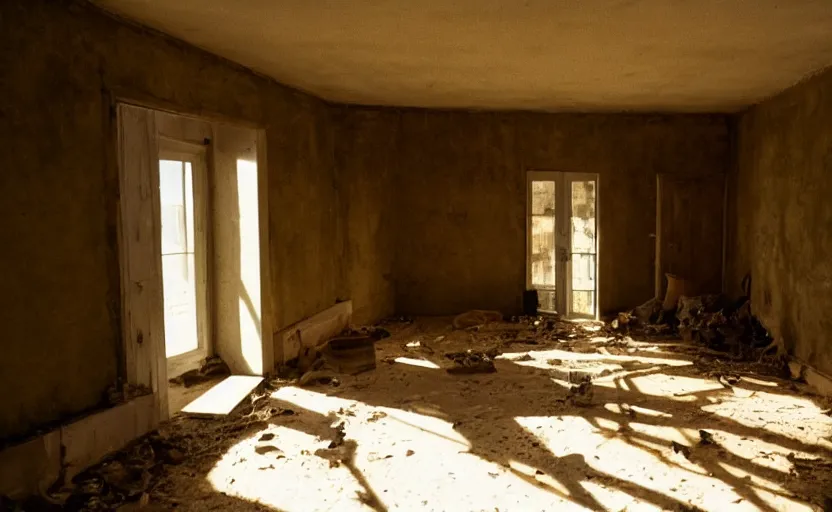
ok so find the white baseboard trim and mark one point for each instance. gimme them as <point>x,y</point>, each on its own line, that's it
<point>821,382</point>
<point>33,466</point>
<point>312,331</point>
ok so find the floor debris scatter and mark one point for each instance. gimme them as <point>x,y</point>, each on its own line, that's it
<point>209,369</point>
<point>714,321</point>
<point>568,416</point>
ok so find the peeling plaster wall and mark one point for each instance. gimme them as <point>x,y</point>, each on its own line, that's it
<point>460,198</point>
<point>60,64</point>
<point>780,193</point>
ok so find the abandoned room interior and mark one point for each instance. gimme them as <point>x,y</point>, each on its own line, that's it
<point>483,255</point>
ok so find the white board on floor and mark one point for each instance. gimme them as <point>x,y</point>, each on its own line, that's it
<point>224,397</point>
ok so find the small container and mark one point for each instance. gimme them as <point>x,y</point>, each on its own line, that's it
<point>350,354</point>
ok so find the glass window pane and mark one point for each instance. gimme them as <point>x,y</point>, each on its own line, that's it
<point>172,199</point>
<point>189,208</point>
<point>543,198</point>
<point>583,303</point>
<point>583,272</point>
<point>543,251</point>
<point>178,276</point>
<point>583,283</point>
<point>180,304</point>
<point>170,181</point>
<point>583,217</point>
<point>546,300</point>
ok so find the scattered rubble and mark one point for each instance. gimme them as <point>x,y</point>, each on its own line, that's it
<point>210,368</point>
<point>712,321</point>
<point>339,436</point>
<point>316,376</point>
<point>472,361</point>
<point>125,477</point>
<point>377,415</point>
<point>581,395</point>
<point>185,450</point>
<point>476,317</point>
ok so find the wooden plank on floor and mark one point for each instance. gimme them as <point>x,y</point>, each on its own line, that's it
<point>224,397</point>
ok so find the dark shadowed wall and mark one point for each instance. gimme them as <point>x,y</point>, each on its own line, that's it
<point>459,196</point>
<point>414,211</point>
<point>60,65</point>
<point>365,143</point>
<point>781,210</point>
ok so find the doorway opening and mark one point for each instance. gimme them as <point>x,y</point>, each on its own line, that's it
<point>562,242</point>
<point>194,260</point>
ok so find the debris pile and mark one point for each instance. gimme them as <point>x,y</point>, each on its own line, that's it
<point>351,352</point>
<point>210,368</point>
<point>128,476</point>
<point>550,328</point>
<point>710,320</point>
<point>472,361</point>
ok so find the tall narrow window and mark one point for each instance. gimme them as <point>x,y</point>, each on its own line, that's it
<point>178,262</point>
<point>182,200</point>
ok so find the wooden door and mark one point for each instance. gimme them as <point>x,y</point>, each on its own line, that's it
<point>689,229</point>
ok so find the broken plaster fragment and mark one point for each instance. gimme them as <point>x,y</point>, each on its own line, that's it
<point>377,415</point>
<point>680,448</point>
<point>705,437</point>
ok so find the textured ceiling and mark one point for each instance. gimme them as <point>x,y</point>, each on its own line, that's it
<point>553,55</point>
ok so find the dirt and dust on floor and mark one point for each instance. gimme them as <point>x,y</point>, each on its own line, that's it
<point>187,387</point>
<point>520,414</point>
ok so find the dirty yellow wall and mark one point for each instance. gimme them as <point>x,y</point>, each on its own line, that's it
<point>408,210</point>
<point>61,62</point>
<point>365,151</point>
<point>781,211</point>
<point>459,196</point>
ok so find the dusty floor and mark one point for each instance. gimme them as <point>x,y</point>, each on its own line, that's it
<point>410,436</point>
<point>180,396</point>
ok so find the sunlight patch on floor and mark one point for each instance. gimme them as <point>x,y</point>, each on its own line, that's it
<point>424,363</point>
<point>283,477</point>
<point>406,459</point>
<point>312,401</point>
<point>671,387</point>
<point>641,455</point>
<point>542,356</point>
<point>621,409</point>
<point>764,410</point>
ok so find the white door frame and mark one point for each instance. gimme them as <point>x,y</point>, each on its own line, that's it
<point>563,243</point>
<point>140,255</point>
